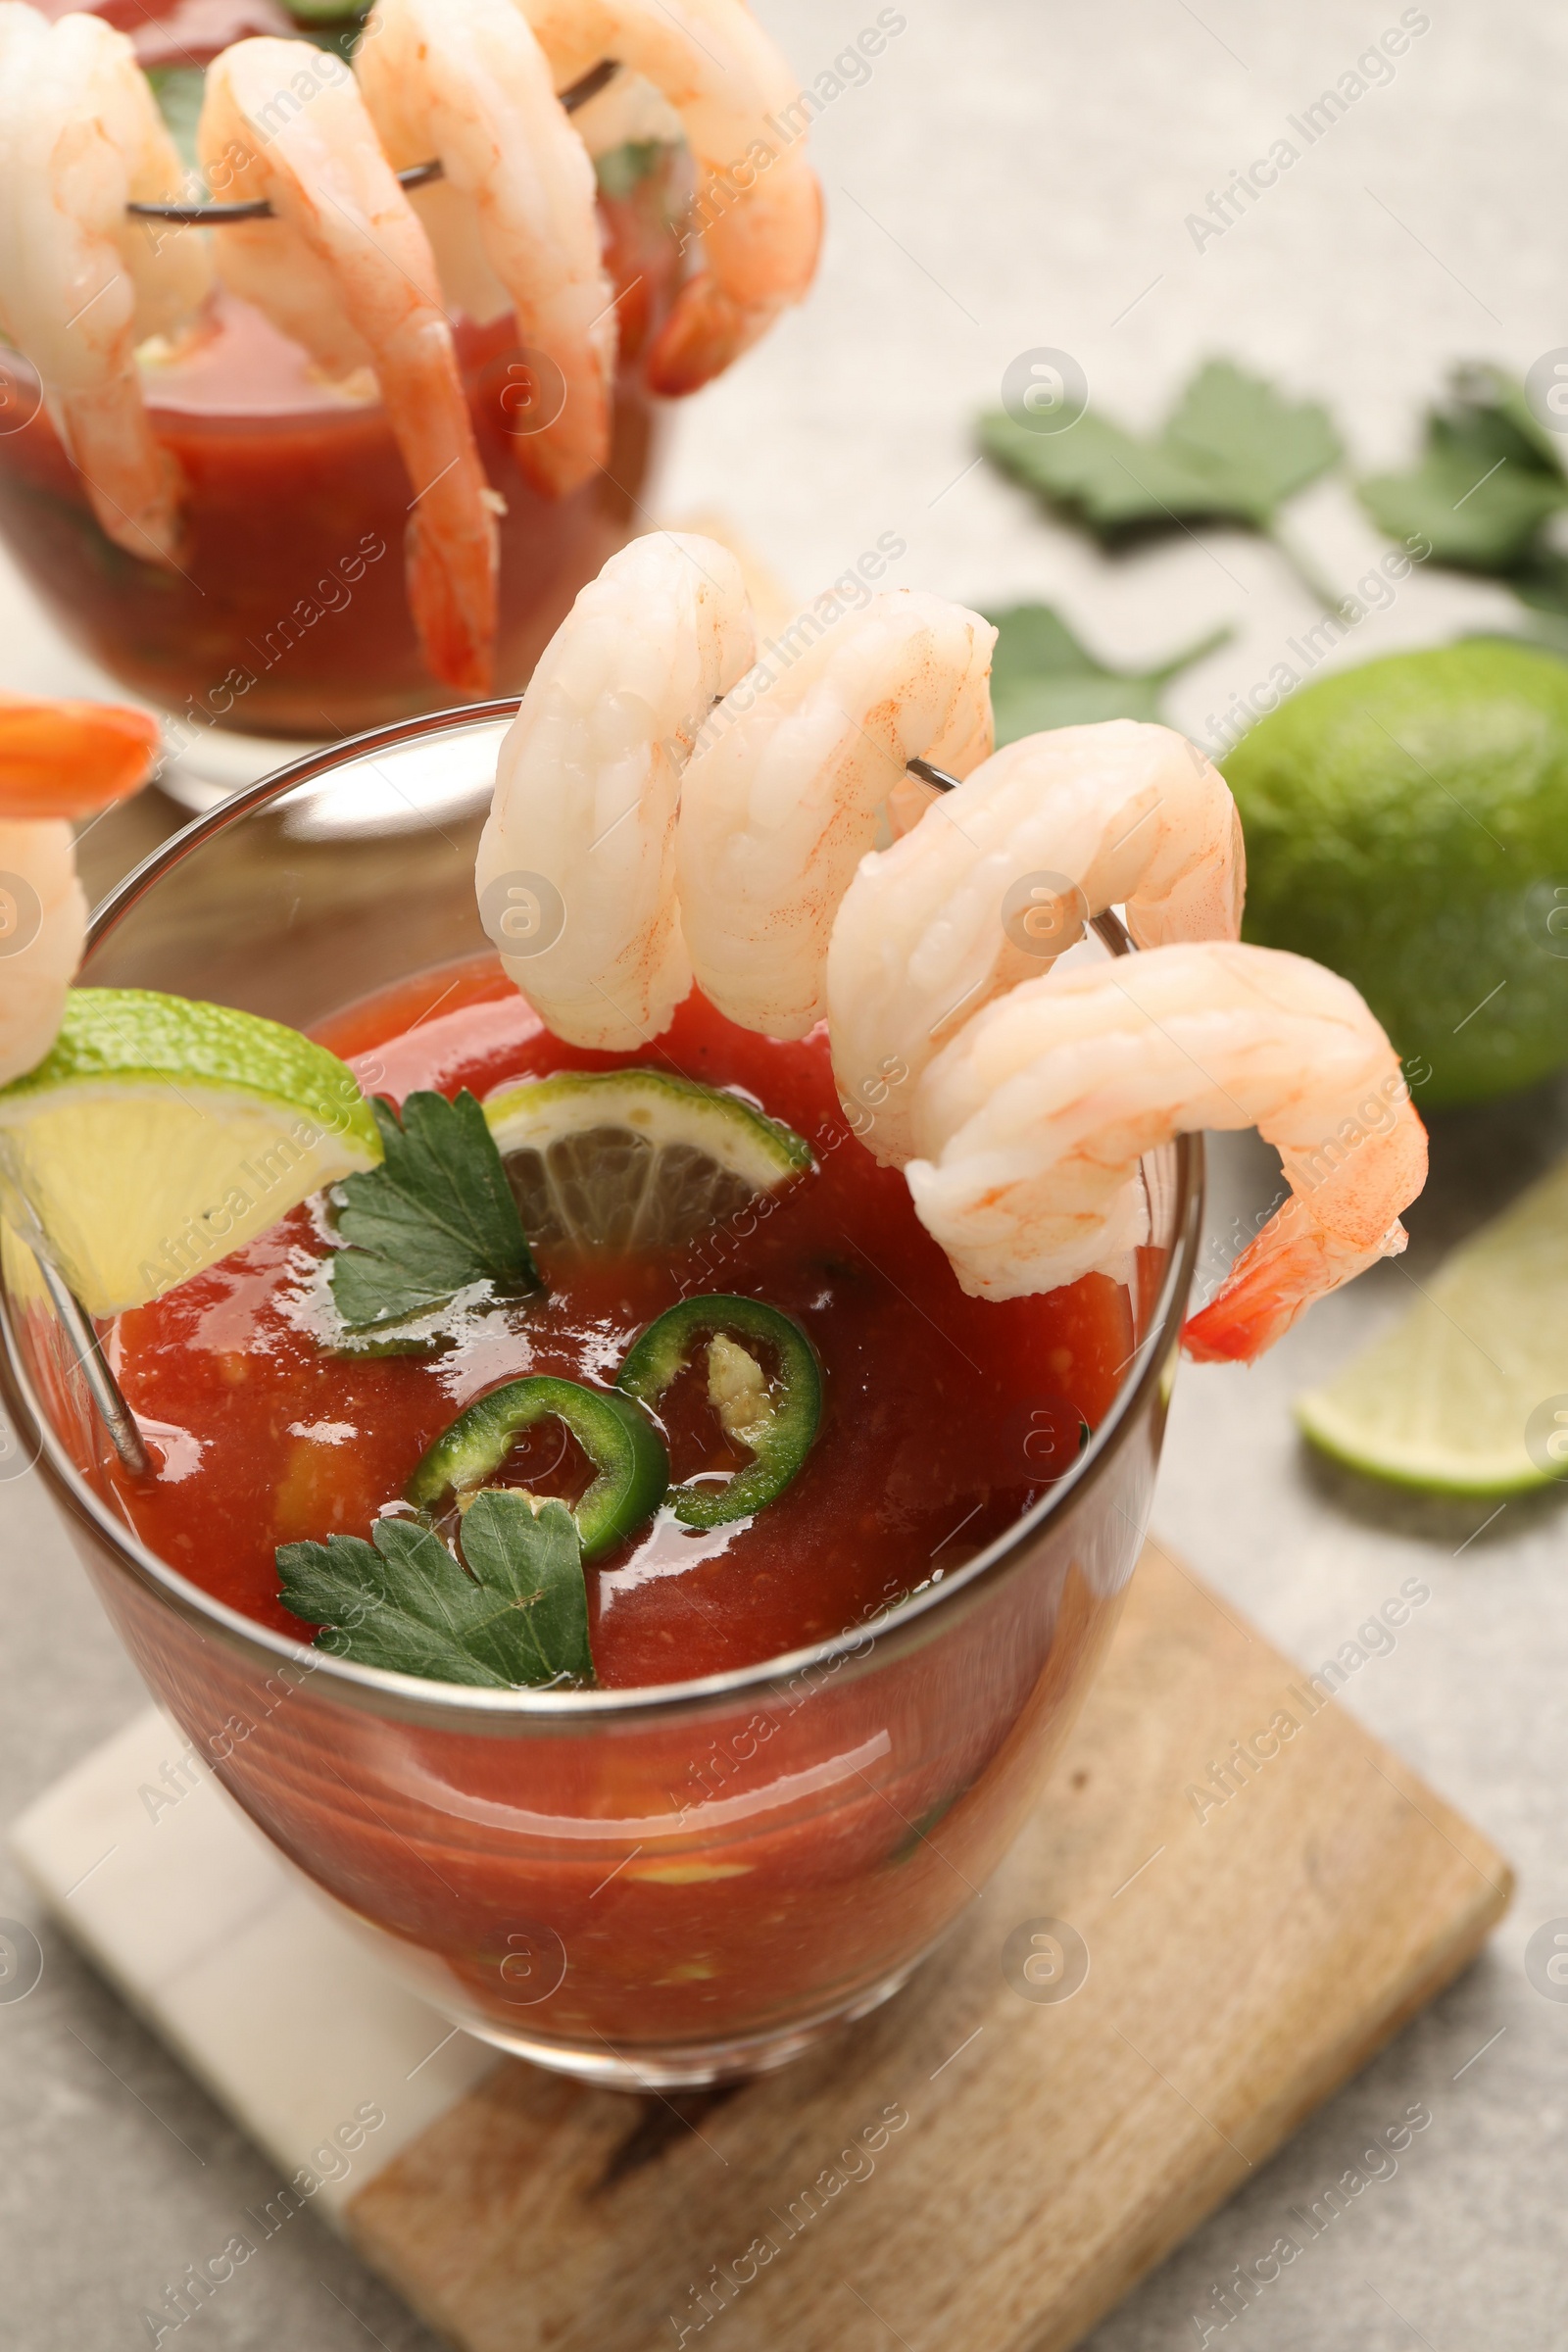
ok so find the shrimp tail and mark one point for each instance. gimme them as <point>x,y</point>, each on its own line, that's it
<point>1292,1262</point>
<point>71,759</point>
<point>452,596</point>
<point>706,332</point>
<point>761,257</point>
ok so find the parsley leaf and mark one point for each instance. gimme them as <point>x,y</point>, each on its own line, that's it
<point>1042,677</point>
<point>1257,447</point>
<point>536,1556</point>
<point>1233,450</point>
<point>1488,478</point>
<point>1099,475</point>
<point>405,1602</point>
<point>437,1216</point>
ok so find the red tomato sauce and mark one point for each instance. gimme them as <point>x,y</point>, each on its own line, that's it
<point>945,1416</point>
<point>286,613</point>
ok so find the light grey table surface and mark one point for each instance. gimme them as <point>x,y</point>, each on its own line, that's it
<point>1017,174</point>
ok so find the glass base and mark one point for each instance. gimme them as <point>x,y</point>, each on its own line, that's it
<point>686,2066</point>
<point>612,2066</point>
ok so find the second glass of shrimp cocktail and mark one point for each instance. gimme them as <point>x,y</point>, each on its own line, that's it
<point>630,1481</point>
<point>293,449</point>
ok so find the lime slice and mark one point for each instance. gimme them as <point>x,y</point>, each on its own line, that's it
<point>157,1134</point>
<point>1468,1395</point>
<point>629,1159</point>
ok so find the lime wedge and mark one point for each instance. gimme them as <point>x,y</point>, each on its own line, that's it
<point>629,1159</point>
<point>1468,1393</point>
<point>157,1134</point>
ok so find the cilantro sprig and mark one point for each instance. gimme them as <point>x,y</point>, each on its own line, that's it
<point>436,1216</point>
<point>1488,481</point>
<point>512,1613</point>
<point>1233,450</point>
<point>1042,676</point>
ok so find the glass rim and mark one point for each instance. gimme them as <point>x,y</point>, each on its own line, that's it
<point>413,1697</point>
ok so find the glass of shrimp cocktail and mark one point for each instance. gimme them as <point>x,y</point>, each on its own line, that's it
<point>304,473</point>
<point>812,1731</point>
<point>628,1481</point>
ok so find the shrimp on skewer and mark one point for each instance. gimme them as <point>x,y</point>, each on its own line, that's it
<point>998,878</point>
<point>1033,1120</point>
<point>512,223</point>
<point>346,269</point>
<point>779,803</point>
<point>757,204</point>
<point>56,760</point>
<point>577,867</point>
<point>81,283</point>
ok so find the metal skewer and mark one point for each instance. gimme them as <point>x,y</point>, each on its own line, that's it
<point>417,176</point>
<point>102,1386</point>
<point>937,778</point>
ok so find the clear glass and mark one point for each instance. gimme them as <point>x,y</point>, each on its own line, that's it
<point>667,1886</point>
<point>286,614</point>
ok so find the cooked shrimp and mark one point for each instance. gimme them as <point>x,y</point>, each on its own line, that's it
<point>576,864</point>
<point>512,223</point>
<point>781,800</point>
<point>67,757</point>
<point>347,271</point>
<point>758,202</point>
<point>998,878</point>
<point>82,282</point>
<point>43,929</point>
<point>1033,1120</point>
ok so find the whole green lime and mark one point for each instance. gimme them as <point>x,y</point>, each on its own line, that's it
<point>1407,824</point>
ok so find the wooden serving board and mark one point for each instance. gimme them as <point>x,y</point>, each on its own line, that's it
<point>978,2167</point>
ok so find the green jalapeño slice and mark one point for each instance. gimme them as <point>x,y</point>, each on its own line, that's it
<point>614,1432</point>
<point>775,1419</point>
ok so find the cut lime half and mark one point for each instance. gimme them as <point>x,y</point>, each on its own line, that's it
<point>1468,1393</point>
<point>156,1135</point>
<point>632,1159</point>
